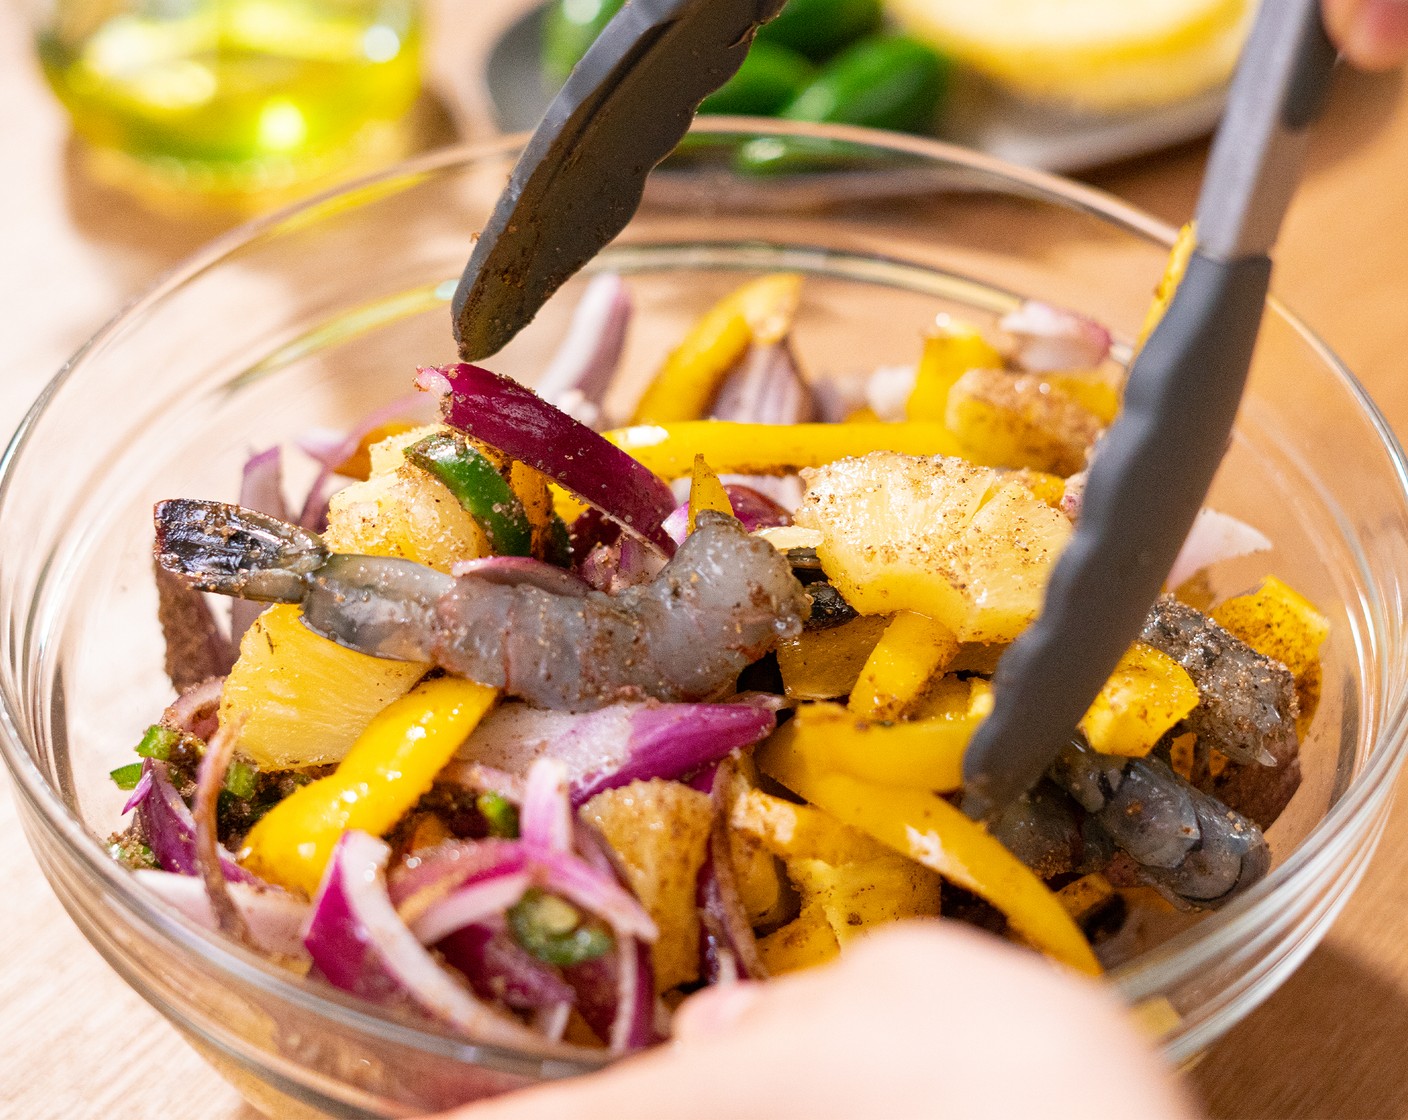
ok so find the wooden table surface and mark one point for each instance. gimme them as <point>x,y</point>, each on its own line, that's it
<point>1328,1044</point>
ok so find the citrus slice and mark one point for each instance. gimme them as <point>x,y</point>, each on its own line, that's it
<point>1099,55</point>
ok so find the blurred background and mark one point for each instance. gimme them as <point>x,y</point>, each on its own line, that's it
<point>134,131</point>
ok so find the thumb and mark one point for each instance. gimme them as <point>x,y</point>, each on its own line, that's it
<point>1372,34</point>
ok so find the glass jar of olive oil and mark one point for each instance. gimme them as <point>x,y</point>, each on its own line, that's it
<point>233,96</point>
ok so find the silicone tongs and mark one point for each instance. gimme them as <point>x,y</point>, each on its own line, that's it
<point>624,109</point>
<point>629,102</point>
<point>1153,469</point>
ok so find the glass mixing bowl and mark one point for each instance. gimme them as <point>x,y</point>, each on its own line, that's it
<point>311,317</point>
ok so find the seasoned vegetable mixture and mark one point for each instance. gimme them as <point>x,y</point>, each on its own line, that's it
<point>531,728</point>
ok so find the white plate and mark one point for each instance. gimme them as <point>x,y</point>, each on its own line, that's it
<point>977,116</point>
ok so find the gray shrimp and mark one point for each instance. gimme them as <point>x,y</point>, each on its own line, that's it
<point>722,602</point>
<point>1247,702</point>
<point>1188,844</point>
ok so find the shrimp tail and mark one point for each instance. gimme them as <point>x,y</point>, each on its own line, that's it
<point>214,546</point>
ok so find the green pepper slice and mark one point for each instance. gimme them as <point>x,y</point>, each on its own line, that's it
<point>480,489</point>
<point>553,930</point>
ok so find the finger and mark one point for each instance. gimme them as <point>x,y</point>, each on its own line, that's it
<point>1372,34</point>
<point>714,1010</point>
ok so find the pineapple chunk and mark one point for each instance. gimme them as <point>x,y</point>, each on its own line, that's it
<point>660,830</point>
<point>301,700</point>
<point>1002,561</point>
<point>755,870</point>
<point>388,454</point>
<point>804,942</point>
<point>1020,420</point>
<point>406,513</point>
<point>857,896</point>
<point>907,533</point>
<point>886,520</point>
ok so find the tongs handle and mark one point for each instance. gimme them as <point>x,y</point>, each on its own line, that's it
<point>1154,467</point>
<point>627,104</point>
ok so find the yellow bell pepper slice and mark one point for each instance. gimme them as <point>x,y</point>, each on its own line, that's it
<point>731,448</point>
<point>760,311</point>
<point>794,832</point>
<point>916,754</point>
<point>706,492</point>
<point>1277,621</point>
<point>534,491</point>
<point>929,830</point>
<point>1178,258</point>
<point>1147,694</point>
<point>388,769</point>
<point>951,349</point>
<point>804,942</point>
<point>824,664</point>
<point>912,649</point>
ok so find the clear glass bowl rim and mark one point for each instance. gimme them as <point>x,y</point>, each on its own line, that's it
<point>1171,961</point>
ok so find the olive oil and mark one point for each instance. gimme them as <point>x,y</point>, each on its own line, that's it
<point>234,95</point>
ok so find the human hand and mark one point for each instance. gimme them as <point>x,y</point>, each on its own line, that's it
<point>1372,34</point>
<point>915,1021</point>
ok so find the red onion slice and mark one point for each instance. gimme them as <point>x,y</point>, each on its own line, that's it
<point>1053,339</point>
<point>142,790</point>
<point>729,950</point>
<point>210,780</point>
<point>551,1022</point>
<point>275,918</point>
<point>498,968</point>
<point>475,902</point>
<point>616,993</point>
<point>426,878</point>
<point>332,449</point>
<point>766,387</point>
<point>615,745</point>
<point>519,570</point>
<point>360,944</point>
<point>580,373</point>
<point>1214,537</point>
<point>588,889</point>
<point>545,819</point>
<point>196,710</point>
<point>521,424</point>
<point>171,831</point>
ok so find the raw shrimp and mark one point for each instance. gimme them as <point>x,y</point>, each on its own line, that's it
<point>1247,702</point>
<point>725,600</point>
<point>1186,843</point>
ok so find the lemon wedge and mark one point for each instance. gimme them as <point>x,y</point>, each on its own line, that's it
<point>1096,55</point>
